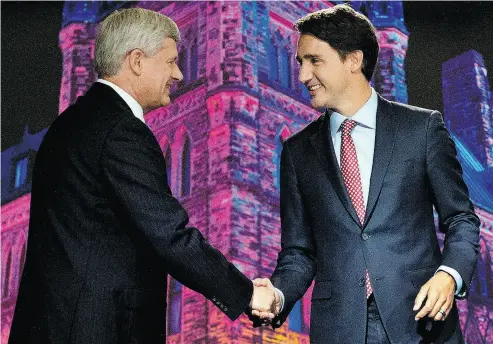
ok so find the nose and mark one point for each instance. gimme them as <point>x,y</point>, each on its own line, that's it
<point>305,73</point>
<point>177,74</point>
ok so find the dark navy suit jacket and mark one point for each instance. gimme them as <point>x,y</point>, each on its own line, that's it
<point>414,169</point>
<point>104,233</point>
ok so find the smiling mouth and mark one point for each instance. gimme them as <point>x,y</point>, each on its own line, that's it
<point>314,87</point>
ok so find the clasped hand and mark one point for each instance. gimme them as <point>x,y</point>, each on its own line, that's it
<point>266,301</point>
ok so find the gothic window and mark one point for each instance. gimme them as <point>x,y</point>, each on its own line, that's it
<point>283,135</point>
<point>182,61</point>
<point>188,58</point>
<point>167,159</point>
<point>6,278</point>
<point>285,71</point>
<point>185,168</point>
<point>274,62</point>
<point>174,307</point>
<point>281,61</point>
<point>194,60</point>
<point>21,172</point>
<point>296,318</point>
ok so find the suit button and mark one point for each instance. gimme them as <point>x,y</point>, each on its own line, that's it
<point>225,309</point>
<point>361,282</point>
<point>365,236</point>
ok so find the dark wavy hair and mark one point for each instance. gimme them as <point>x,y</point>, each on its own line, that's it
<point>345,30</point>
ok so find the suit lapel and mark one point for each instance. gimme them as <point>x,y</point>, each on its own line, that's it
<point>384,146</point>
<point>322,143</point>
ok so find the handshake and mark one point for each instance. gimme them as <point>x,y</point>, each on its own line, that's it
<point>266,302</point>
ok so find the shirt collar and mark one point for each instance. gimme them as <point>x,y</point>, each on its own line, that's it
<point>365,116</point>
<point>131,102</point>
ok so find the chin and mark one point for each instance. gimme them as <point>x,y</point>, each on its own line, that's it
<point>166,101</point>
<point>317,104</point>
<point>321,103</point>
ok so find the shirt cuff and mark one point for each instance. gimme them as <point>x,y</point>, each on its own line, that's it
<point>458,280</point>
<point>282,299</point>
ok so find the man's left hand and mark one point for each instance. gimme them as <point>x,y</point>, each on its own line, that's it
<point>439,294</point>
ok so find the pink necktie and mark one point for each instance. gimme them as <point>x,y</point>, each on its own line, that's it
<point>352,178</point>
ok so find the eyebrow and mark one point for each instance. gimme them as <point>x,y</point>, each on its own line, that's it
<point>307,56</point>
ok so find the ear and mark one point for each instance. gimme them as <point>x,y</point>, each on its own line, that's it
<point>355,60</point>
<point>135,61</point>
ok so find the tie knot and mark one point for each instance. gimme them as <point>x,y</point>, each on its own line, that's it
<point>347,126</point>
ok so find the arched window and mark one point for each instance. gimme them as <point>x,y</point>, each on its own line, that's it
<point>285,67</point>
<point>296,318</point>
<point>273,62</point>
<point>188,57</point>
<point>185,168</point>
<point>284,133</point>
<point>174,307</point>
<point>167,159</point>
<point>194,60</point>
<point>6,279</point>
<point>182,62</point>
<point>21,172</point>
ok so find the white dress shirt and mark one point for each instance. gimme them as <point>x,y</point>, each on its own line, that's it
<point>363,136</point>
<point>131,102</point>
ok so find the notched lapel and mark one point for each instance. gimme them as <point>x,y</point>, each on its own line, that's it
<point>384,147</point>
<point>322,143</point>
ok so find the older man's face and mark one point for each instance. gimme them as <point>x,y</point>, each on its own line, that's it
<point>160,72</point>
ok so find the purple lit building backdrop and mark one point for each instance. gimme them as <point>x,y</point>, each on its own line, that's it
<point>222,135</point>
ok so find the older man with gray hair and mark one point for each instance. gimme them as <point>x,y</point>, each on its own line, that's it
<point>104,230</point>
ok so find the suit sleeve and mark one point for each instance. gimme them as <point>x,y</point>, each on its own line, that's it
<point>135,172</point>
<point>452,203</point>
<point>296,264</point>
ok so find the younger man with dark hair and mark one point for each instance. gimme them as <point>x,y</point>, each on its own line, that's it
<point>358,187</point>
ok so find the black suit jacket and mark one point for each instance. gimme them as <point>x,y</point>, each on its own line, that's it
<point>104,233</point>
<point>414,169</point>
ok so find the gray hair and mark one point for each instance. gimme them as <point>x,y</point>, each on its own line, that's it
<point>128,29</point>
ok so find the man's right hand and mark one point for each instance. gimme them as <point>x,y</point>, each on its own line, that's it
<point>275,306</point>
<point>262,302</point>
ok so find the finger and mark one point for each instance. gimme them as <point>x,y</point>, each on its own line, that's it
<point>261,282</point>
<point>431,299</point>
<point>439,305</point>
<point>420,297</point>
<point>255,313</point>
<point>266,315</point>
<point>449,305</point>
